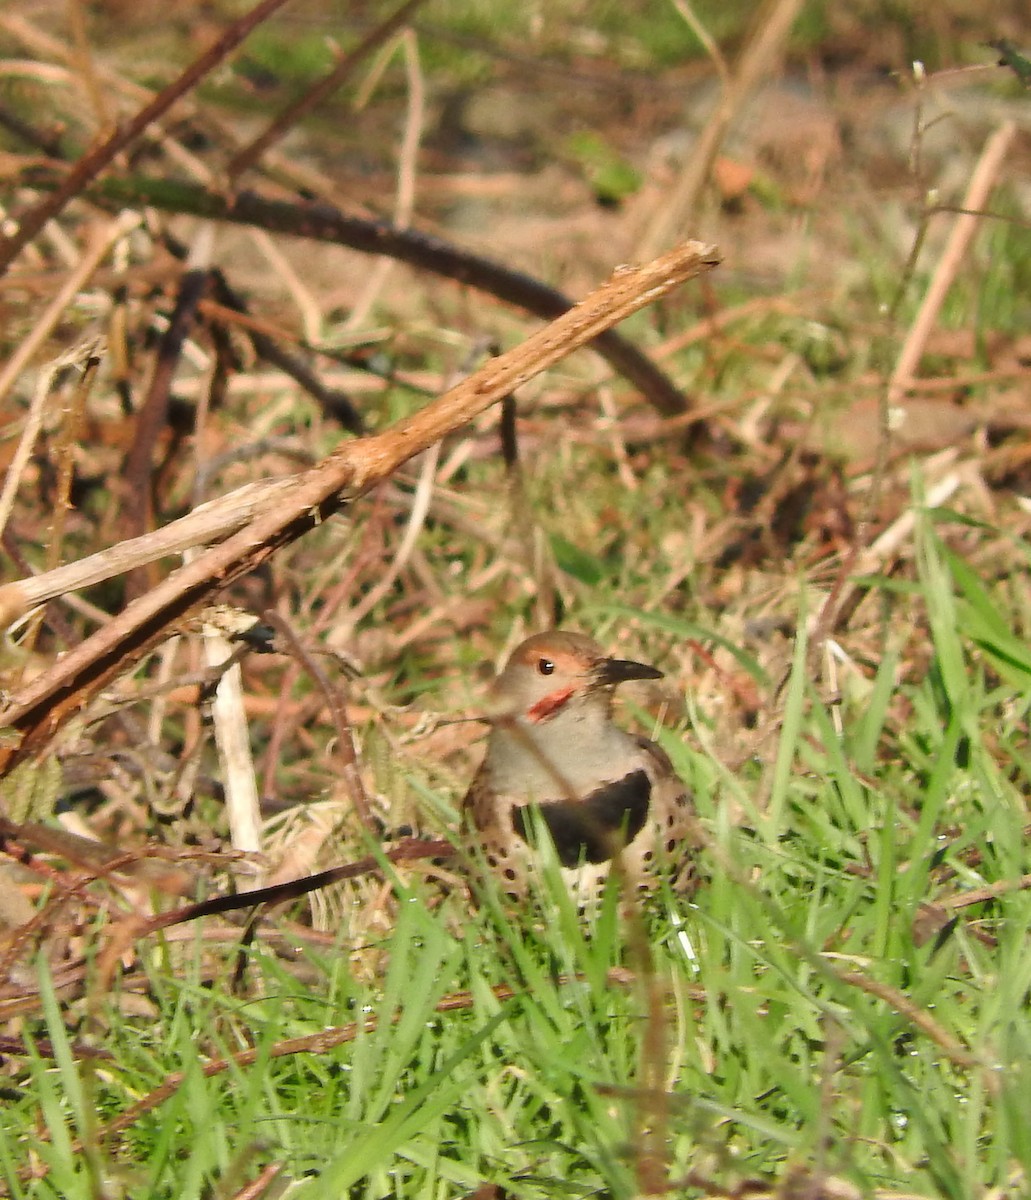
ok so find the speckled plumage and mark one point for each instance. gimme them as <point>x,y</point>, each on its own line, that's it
<point>603,793</point>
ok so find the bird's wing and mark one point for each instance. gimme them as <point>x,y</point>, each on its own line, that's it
<point>661,763</point>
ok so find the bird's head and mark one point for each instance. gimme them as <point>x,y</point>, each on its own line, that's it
<point>555,673</point>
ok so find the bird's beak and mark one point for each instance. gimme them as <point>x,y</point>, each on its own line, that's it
<point>611,671</point>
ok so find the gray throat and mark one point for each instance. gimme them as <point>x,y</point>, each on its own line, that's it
<point>565,758</point>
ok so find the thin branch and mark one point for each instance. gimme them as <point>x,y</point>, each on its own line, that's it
<point>285,120</point>
<point>152,417</point>
<point>94,161</point>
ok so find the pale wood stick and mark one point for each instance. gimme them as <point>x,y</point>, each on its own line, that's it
<point>208,523</point>
<point>232,737</point>
<point>981,183</point>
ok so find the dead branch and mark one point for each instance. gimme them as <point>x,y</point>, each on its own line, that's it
<point>208,523</point>
<point>324,223</point>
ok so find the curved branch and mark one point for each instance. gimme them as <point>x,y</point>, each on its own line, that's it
<point>324,223</point>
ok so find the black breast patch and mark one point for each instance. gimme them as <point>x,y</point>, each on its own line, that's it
<point>594,828</point>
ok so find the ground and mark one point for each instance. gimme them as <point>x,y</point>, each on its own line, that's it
<point>821,539</point>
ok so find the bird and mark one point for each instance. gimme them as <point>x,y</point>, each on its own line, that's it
<point>604,795</point>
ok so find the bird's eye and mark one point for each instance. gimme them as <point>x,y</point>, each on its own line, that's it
<point>545,666</point>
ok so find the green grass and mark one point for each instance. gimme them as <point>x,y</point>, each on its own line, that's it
<point>773,1057</point>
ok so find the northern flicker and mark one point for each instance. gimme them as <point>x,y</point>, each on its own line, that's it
<point>602,793</point>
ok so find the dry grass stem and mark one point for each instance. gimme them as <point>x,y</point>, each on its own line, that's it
<point>404,205</point>
<point>982,181</point>
<point>101,240</point>
<point>677,212</point>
